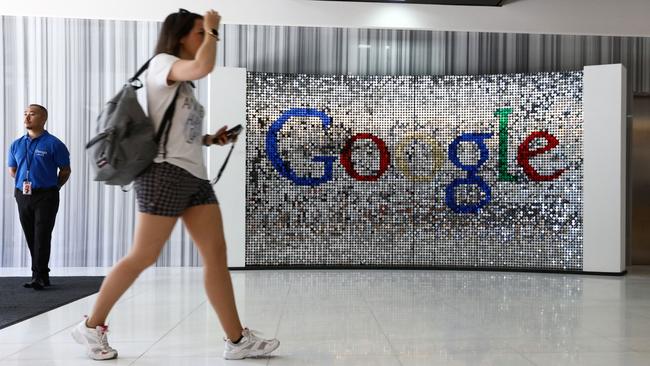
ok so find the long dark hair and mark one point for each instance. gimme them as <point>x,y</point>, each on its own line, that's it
<point>176,26</point>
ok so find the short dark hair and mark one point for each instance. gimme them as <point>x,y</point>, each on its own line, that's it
<point>176,26</point>
<point>41,108</point>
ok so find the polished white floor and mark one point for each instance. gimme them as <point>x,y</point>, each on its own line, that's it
<point>362,318</point>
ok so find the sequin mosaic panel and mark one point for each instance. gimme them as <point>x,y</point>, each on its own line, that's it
<point>451,171</point>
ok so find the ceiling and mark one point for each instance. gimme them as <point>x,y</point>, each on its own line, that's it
<point>433,2</point>
<point>583,17</point>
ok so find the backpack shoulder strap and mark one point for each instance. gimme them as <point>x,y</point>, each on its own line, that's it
<point>165,124</point>
<point>141,70</point>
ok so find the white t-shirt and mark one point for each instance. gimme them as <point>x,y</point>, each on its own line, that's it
<point>185,142</point>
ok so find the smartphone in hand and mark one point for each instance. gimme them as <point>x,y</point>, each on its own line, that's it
<point>231,134</point>
<point>234,132</point>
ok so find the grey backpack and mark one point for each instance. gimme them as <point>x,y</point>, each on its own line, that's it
<point>126,142</point>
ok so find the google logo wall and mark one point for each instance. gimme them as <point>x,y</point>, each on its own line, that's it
<point>451,171</point>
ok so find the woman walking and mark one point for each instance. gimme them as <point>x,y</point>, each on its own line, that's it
<point>176,186</point>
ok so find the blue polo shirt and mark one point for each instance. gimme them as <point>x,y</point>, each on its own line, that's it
<point>44,154</point>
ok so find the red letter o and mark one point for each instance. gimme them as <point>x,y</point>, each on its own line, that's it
<point>346,157</point>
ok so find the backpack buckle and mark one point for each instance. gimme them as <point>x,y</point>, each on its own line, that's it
<point>135,83</point>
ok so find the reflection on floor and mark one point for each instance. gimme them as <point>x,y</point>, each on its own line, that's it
<point>362,318</point>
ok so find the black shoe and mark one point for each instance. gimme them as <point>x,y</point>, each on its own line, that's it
<point>28,284</point>
<point>38,284</point>
<point>46,282</point>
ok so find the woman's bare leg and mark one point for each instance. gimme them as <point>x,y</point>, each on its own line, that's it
<point>151,233</point>
<point>205,225</point>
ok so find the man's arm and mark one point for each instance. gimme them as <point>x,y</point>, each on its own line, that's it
<point>64,174</point>
<point>11,160</point>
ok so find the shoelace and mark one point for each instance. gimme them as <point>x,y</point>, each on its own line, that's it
<point>251,334</point>
<point>253,331</point>
<point>255,334</point>
<point>103,339</point>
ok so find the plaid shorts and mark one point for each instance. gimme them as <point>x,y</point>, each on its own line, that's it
<point>167,190</point>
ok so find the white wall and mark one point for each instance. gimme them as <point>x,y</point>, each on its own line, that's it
<point>599,17</point>
<point>604,168</point>
<point>228,107</point>
<point>604,164</point>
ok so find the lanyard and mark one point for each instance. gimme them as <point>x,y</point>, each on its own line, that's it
<point>27,156</point>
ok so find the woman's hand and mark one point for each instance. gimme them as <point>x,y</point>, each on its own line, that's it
<point>219,138</point>
<point>211,20</point>
<point>200,63</point>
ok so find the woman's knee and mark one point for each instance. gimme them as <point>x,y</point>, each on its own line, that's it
<point>216,255</point>
<point>138,263</point>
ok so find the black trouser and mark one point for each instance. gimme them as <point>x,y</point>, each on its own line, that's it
<point>37,215</point>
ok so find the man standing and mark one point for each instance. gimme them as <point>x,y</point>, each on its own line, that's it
<point>40,163</point>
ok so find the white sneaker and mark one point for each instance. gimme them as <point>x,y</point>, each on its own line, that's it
<point>95,341</point>
<point>249,346</point>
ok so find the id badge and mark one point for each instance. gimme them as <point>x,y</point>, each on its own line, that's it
<point>27,188</point>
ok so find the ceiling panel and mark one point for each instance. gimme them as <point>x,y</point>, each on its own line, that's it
<point>433,2</point>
